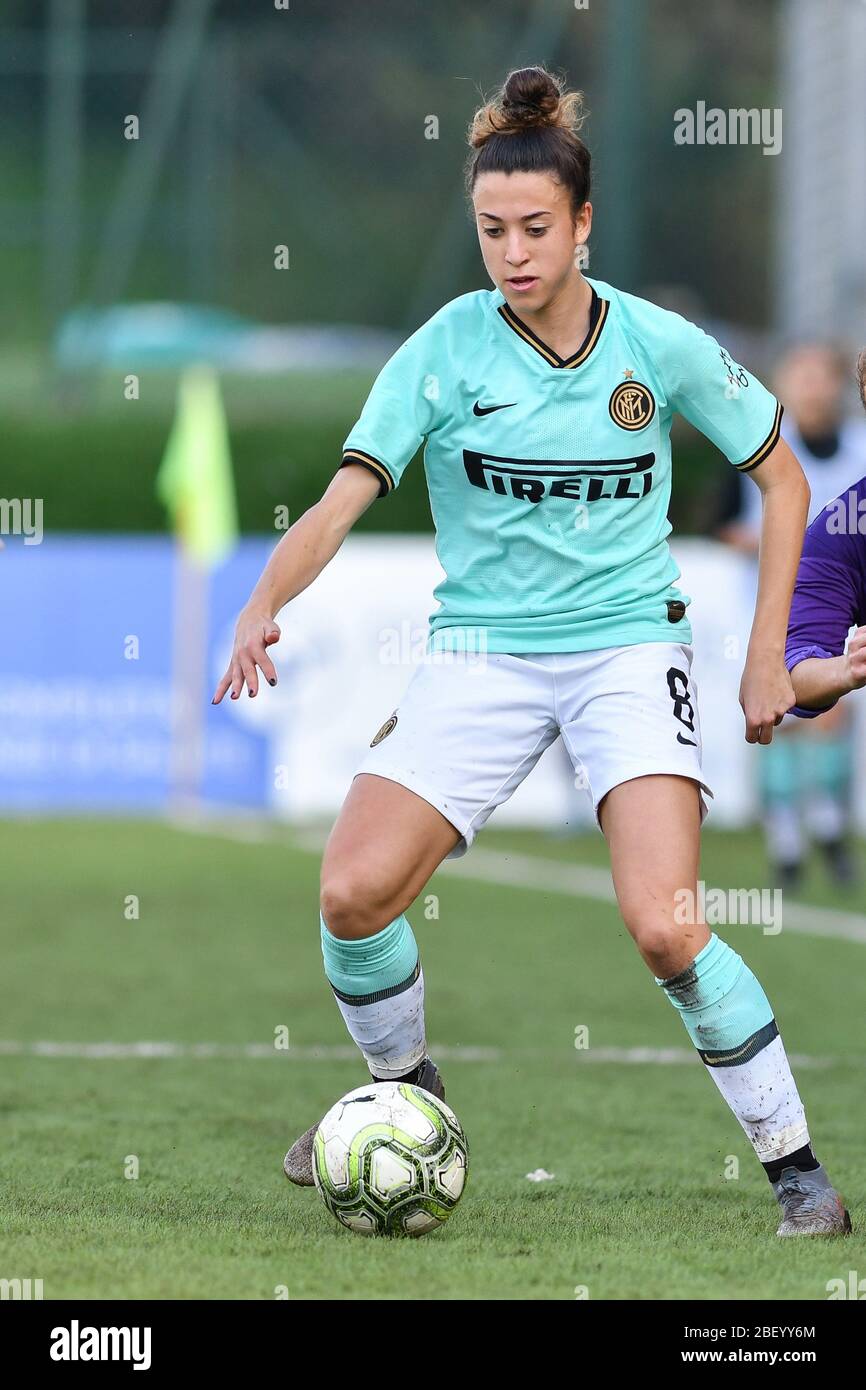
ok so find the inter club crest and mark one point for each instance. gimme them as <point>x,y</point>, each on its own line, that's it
<point>385,730</point>
<point>631,405</point>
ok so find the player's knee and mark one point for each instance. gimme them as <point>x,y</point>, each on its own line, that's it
<point>352,905</point>
<point>658,942</point>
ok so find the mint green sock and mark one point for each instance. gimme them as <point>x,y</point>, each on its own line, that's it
<point>719,1000</point>
<point>729,1020</point>
<point>366,967</point>
<point>379,987</point>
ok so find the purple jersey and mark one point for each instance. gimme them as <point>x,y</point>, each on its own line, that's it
<point>830,593</point>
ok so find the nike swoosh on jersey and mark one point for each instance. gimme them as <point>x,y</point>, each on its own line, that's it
<point>488,409</point>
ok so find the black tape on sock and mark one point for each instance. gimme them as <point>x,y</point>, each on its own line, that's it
<point>803,1159</point>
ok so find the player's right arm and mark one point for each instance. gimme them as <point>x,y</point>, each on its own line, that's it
<point>405,403</point>
<point>301,555</point>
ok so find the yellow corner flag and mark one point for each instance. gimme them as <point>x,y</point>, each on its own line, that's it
<point>195,477</point>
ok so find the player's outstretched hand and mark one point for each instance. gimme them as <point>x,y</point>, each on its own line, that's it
<point>856,658</point>
<point>255,632</point>
<point>766,695</point>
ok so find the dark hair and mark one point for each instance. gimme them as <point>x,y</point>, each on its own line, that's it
<point>531,126</point>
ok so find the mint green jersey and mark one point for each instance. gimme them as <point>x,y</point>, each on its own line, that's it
<point>550,478</point>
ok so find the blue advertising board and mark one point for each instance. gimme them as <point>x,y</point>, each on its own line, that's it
<point>86,676</point>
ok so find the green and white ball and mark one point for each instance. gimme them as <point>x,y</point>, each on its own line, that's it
<point>390,1159</point>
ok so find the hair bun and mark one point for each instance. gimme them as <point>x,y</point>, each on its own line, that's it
<point>531,96</point>
<point>531,125</point>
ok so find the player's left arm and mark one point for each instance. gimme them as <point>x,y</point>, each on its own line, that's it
<point>766,690</point>
<point>743,419</point>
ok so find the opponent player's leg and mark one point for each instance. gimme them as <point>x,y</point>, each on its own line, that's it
<point>780,780</point>
<point>828,758</point>
<point>721,1002</point>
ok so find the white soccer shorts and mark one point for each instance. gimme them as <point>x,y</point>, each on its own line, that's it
<point>471,726</point>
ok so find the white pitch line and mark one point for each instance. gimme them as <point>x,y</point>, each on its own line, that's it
<point>823,921</point>
<point>682,1056</point>
<point>208,1051</point>
<point>535,872</point>
<point>588,881</point>
<point>529,871</point>
<point>159,1051</point>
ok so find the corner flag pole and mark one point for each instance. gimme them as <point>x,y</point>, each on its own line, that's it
<point>195,482</point>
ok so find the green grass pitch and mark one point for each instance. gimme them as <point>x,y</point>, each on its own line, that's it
<point>225,951</point>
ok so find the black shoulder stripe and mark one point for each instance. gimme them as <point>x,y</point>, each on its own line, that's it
<point>767,447</point>
<point>386,482</point>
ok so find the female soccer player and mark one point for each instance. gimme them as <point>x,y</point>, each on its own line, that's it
<point>830,599</point>
<point>546,406</point>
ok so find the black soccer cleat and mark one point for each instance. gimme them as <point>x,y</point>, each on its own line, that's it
<point>298,1162</point>
<point>426,1075</point>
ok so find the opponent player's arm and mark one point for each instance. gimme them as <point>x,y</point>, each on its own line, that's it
<point>820,681</point>
<point>766,691</point>
<point>301,555</point>
<point>829,599</point>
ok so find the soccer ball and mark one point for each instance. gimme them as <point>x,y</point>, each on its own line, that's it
<point>390,1159</point>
